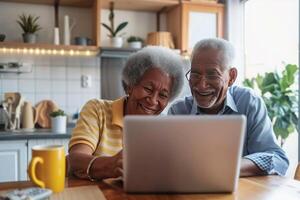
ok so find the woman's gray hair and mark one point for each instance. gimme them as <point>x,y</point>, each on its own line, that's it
<point>225,47</point>
<point>149,57</point>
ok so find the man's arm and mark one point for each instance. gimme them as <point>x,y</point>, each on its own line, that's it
<point>261,145</point>
<point>248,168</point>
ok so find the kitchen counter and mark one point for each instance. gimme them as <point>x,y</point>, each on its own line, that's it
<point>22,134</point>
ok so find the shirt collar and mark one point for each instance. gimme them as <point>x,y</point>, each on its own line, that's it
<point>118,112</point>
<point>229,102</point>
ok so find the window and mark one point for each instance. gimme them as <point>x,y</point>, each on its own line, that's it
<point>271,42</point>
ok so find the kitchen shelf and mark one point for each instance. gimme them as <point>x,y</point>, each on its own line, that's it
<point>75,3</point>
<point>140,5</point>
<point>40,48</point>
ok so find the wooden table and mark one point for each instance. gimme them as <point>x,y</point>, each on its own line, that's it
<point>254,188</point>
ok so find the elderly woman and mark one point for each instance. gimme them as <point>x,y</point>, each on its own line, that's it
<point>151,78</point>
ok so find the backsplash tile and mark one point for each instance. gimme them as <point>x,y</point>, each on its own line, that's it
<point>73,86</point>
<point>73,72</point>
<point>40,97</point>
<point>10,85</point>
<point>42,86</point>
<point>58,86</point>
<point>57,78</point>
<point>26,86</point>
<point>58,72</point>
<point>42,72</point>
<point>57,61</point>
<point>59,99</point>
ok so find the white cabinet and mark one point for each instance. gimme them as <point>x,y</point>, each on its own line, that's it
<point>15,156</point>
<point>13,160</point>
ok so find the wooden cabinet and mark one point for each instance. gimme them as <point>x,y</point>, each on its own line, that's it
<point>15,156</point>
<point>191,22</point>
<point>13,159</point>
<point>44,48</point>
<point>187,20</point>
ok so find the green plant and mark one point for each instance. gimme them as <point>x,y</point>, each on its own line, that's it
<point>28,23</point>
<point>280,98</point>
<point>57,113</point>
<point>113,32</point>
<point>135,39</point>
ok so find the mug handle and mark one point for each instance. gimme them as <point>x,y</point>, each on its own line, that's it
<point>32,167</point>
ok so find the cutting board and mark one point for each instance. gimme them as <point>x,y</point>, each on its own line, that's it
<point>43,110</point>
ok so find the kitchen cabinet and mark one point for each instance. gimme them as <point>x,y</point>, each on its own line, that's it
<point>13,160</point>
<point>42,48</point>
<point>96,6</point>
<point>190,22</point>
<point>15,156</point>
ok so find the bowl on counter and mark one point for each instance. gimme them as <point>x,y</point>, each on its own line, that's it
<point>2,37</point>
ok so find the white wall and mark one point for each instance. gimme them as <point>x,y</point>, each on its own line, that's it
<point>140,24</point>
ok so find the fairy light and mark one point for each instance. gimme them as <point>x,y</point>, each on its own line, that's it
<point>87,53</point>
<point>38,51</point>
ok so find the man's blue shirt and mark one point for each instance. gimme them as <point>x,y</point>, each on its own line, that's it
<point>260,144</point>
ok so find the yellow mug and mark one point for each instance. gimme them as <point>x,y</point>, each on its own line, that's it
<point>47,167</point>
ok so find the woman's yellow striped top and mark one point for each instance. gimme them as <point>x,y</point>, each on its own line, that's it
<point>100,126</point>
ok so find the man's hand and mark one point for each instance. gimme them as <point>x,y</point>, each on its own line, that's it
<point>248,168</point>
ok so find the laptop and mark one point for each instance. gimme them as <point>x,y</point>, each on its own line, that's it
<point>182,154</point>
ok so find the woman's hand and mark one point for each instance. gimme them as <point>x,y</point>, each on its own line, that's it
<point>103,167</point>
<point>117,165</point>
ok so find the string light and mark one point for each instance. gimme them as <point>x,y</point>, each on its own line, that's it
<point>38,51</point>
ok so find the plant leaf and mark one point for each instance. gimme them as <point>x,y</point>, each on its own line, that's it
<point>120,27</point>
<point>108,28</point>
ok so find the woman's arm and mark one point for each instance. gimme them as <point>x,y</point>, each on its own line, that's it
<point>80,156</point>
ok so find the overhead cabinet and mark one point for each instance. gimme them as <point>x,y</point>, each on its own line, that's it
<point>187,20</point>
<point>191,22</point>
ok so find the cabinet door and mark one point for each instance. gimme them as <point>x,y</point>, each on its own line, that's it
<point>34,142</point>
<point>199,22</point>
<point>13,160</point>
<point>191,22</point>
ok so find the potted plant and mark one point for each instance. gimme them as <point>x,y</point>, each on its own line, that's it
<point>58,121</point>
<point>280,98</point>
<point>116,41</point>
<point>135,42</point>
<point>29,25</point>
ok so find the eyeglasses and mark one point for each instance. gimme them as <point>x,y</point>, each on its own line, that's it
<point>194,77</point>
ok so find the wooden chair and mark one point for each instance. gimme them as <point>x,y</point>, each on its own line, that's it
<point>297,173</point>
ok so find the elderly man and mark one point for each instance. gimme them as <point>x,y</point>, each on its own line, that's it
<point>211,81</point>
